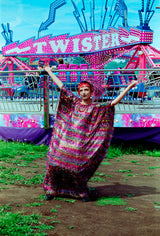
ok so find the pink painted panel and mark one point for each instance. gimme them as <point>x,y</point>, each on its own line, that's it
<point>120,120</point>
<point>137,120</point>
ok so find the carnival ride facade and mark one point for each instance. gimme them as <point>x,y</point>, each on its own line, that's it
<point>29,101</point>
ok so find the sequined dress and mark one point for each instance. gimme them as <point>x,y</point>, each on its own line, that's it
<point>80,140</point>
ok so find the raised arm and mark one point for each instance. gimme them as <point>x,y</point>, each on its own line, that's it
<point>122,95</point>
<point>54,77</point>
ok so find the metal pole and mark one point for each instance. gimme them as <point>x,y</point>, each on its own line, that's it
<point>46,101</point>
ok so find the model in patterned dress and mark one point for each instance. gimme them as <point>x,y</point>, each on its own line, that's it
<point>81,136</point>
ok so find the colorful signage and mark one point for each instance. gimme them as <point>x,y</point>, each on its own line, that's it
<point>84,43</point>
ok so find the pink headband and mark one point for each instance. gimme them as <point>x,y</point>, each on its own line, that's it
<point>81,85</point>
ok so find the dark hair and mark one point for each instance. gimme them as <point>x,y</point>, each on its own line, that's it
<point>60,61</point>
<point>67,64</point>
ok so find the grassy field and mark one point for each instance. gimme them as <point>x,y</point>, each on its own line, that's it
<point>22,165</point>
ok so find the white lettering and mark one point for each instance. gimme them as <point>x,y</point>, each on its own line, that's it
<point>106,42</point>
<point>59,44</point>
<point>130,38</point>
<point>76,45</point>
<point>115,40</point>
<point>87,45</point>
<point>39,46</point>
<point>96,40</point>
<point>18,50</point>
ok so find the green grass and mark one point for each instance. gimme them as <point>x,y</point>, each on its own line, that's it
<point>27,153</point>
<point>34,204</point>
<point>157,203</point>
<point>134,161</point>
<point>36,179</point>
<point>10,177</point>
<point>130,209</point>
<point>99,174</point>
<point>17,224</point>
<point>65,199</point>
<point>129,175</point>
<point>154,153</point>
<point>108,176</point>
<point>106,163</point>
<point>148,174</point>
<point>97,179</point>
<point>136,148</point>
<point>70,227</point>
<point>154,167</point>
<point>123,171</point>
<point>53,210</point>
<point>21,153</point>
<point>114,201</point>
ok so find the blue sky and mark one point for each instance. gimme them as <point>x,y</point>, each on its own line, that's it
<point>26,16</point>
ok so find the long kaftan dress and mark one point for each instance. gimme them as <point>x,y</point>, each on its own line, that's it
<point>80,140</point>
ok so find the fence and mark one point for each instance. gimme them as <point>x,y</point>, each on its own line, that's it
<point>22,92</point>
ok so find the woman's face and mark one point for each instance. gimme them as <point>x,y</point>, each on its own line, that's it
<point>85,92</point>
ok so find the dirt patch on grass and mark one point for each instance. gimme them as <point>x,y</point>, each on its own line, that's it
<point>132,179</point>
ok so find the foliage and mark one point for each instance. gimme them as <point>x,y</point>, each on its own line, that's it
<point>115,64</point>
<point>79,60</point>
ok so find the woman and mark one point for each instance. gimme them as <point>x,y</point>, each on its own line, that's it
<point>81,136</point>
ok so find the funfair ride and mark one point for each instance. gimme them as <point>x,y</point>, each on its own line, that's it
<point>99,46</point>
<point>96,46</point>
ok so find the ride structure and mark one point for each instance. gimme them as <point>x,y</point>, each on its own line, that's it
<point>97,46</point>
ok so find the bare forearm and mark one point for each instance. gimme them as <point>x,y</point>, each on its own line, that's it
<point>54,77</point>
<point>122,95</point>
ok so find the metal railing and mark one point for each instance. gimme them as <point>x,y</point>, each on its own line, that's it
<point>25,93</point>
<point>20,93</point>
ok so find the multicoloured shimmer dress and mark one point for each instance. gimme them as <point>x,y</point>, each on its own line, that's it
<point>80,140</point>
